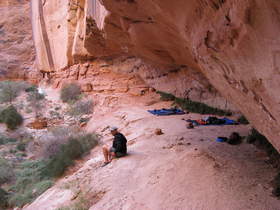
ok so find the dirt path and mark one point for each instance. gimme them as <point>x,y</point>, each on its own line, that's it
<point>181,169</point>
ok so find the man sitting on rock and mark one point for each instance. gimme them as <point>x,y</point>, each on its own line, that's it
<point>118,148</point>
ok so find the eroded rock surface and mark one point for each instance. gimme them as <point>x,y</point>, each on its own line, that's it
<point>17,53</point>
<point>234,44</point>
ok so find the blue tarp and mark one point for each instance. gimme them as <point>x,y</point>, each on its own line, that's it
<point>164,112</point>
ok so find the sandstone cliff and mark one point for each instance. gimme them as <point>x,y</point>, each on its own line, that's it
<point>233,44</point>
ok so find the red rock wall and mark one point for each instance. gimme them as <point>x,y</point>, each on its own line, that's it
<point>235,44</point>
<point>17,53</point>
<point>232,44</point>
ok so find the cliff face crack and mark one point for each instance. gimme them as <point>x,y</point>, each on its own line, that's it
<point>217,4</point>
<point>45,35</point>
<point>138,21</point>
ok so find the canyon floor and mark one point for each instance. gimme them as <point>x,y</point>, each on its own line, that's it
<point>183,169</point>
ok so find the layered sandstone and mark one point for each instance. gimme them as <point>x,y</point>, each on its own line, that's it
<point>65,32</point>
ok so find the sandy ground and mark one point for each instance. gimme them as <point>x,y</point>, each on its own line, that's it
<point>183,169</point>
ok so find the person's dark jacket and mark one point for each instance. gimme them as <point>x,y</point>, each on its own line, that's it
<point>119,143</point>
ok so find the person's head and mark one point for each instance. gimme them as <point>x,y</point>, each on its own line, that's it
<point>114,130</point>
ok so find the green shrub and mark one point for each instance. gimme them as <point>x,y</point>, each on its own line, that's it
<point>6,171</point>
<point>21,146</point>
<point>166,96</point>
<point>35,177</point>
<point>193,106</point>
<point>70,93</point>
<point>30,183</point>
<point>201,108</point>
<point>42,186</point>
<point>54,139</point>
<point>12,151</point>
<point>21,154</point>
<point>74,148</point>
<point>64,158</point>
<point>9,90</point>
<point>6,140</point>
<point>81,108</point>
<point>20,199</point>
<point>242,120</point>
<point>11,117</point>
<point>32,88</point>
<point>3,198</point>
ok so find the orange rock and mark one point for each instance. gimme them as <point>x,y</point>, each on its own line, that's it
<point>158,131</point>
<point>38,124</point>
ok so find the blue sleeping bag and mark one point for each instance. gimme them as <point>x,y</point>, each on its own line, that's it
<point>164,112</point>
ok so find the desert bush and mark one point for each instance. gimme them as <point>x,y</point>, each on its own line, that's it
<point>166,96</point>
<point>193,106</point>
<point>3,198</point>
<point>6,171</point>
<point>6,140</point>
<point>12,151</point>
<point>81,108</point>
<point>70,92</point>
<point>242,120</point>
<point>11,117</point>
<point>201,108</point>
<point>62,155</point>
<point>35,177</point>
<point>31,88</point>
<point>9,90</point>
<point>30,183</point>
<point>36,101</point>
<point>21,146</point>
<point>21,154</point>
<point>68,152</point>
<point>64,158</point>
<point>54,139</point>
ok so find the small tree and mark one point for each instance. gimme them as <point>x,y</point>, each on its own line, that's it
<point>9,90</point>
<point>36,101</point>
<point>80,108</point>
<point>70,93</point>
<point>11,117</point>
